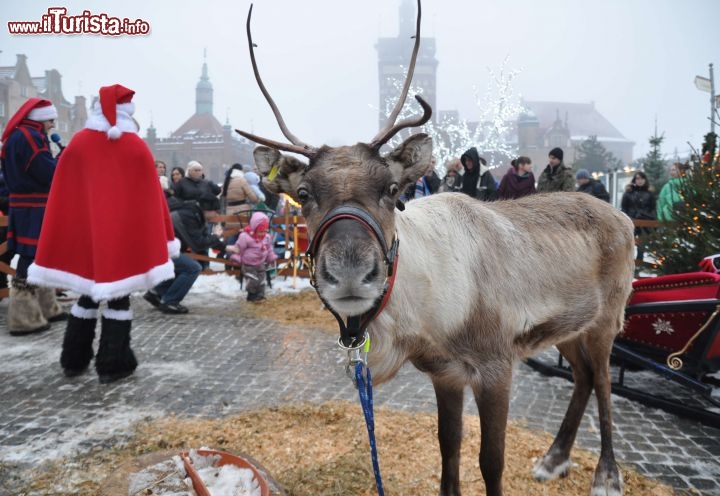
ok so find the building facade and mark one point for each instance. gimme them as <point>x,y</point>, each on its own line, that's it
<point>543,126</point>
<point>17,85</point>
<point>201,137</point>
<point>394,58</point>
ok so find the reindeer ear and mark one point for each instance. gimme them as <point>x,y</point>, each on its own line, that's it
<point>409,161</point>
<point>281,173</point>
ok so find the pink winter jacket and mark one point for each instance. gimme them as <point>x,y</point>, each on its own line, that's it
<point>254,251</point>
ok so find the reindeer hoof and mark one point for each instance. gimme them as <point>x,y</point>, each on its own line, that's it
<point>607,484</point>
<point>548,469</point>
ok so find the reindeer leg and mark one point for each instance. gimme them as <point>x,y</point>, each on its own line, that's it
<point>493,402</point>
<point>450,408</point>
<point>556,461</point>
<point>607,480</point>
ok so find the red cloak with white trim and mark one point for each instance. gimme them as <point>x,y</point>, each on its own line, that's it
<point>107,230</point>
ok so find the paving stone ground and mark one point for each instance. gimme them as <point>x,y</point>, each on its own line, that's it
<point>209,363</point>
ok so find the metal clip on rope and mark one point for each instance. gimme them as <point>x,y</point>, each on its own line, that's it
<point>357,353</point>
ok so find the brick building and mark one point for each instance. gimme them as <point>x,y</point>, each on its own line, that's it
<point>201,137</point>
<point>17,85</point>
<point>545,125</point>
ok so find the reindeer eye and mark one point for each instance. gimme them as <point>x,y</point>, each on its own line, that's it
<point>393,189</point>
<point>303,195</point>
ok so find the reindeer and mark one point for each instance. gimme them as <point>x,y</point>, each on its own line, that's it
<point>476,286</point>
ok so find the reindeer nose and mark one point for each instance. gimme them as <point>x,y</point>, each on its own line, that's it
<point>327,275</point>
<point>370,276</point>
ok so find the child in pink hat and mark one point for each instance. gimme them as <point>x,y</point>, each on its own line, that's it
<point>253,250</point>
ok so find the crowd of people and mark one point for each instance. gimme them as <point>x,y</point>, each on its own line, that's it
<point>72,236</point>
<point>470,175</point>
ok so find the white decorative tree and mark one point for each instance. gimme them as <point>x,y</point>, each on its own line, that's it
<point>499,110</point>
<point>491,134</point>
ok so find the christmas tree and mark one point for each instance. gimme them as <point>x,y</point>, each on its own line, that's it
<point>694,231</point>
<point>593,156</point>
<point>653,163</point>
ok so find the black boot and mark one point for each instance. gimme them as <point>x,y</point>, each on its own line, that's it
<point>77,350</point>
<point>115,360</point>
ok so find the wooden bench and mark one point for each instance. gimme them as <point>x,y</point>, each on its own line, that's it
<point>291,227</point>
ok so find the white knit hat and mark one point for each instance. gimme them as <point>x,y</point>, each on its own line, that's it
<point>43,111</point>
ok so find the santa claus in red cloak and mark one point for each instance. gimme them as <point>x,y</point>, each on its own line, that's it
<point>107,233</point>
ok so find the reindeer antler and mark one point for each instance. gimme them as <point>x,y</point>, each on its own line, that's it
<point>297,145</point>
<point>391,128</point>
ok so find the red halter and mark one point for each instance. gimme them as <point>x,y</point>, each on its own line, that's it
<point>352,332</point>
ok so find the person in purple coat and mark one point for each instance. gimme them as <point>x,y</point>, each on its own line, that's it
<point>519,180</point>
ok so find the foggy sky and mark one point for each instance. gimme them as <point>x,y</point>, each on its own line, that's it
<point>636,59</point>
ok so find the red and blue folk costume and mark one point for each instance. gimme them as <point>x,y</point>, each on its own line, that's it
<point>29,167</point>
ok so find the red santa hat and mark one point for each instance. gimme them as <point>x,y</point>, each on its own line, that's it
<point>113,112</point>
<point>35,109</point>
<point>42,111</point>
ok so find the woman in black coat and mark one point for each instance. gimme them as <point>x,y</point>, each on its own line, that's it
<point>638,202</point>
<point>194,186</point>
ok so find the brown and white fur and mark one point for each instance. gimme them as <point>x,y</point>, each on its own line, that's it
<point>478,286</point>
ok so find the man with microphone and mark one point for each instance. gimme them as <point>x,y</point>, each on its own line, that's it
<point>55,138</point>
<point>29,167</point>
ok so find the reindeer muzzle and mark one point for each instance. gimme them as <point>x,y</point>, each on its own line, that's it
<point>352,333</point>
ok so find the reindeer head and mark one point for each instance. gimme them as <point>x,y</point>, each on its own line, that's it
<point>348,196</point>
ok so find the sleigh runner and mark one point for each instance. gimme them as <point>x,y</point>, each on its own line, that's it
<point>672,328</point>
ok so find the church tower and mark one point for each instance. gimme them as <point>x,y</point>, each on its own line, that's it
<point>204,91</point>
<point>394,59</point>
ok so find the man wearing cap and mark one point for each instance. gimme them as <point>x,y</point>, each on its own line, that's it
<point>29,168</point>
<point>105,242</point>
<point>587,184</point>
<point>556,176</point>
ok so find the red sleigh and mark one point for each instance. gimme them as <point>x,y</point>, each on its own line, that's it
<point>674,320</point>
<point>672,328</point>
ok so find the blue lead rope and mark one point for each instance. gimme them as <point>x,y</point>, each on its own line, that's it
<point>366,401</point>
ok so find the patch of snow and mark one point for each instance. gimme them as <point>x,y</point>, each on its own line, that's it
<point>153,368</point>
<point>211,286</point>
<point>227,480</point>
<point>108,424</point>
<point>228,285</point>
<point>17,356</point>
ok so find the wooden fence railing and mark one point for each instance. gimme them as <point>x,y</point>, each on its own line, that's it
<point>646,223</point>
<point>291,227</point>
